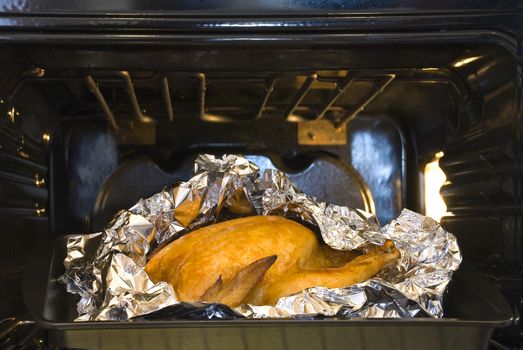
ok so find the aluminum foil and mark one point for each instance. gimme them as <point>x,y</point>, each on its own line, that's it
<point>107,269</point>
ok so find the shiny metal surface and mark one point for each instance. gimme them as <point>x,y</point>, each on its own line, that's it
<point>299,96</point>
<point>321,132</point>
<point>340,87</point>
<point>231,6</point>
<point>325,104</point>
<point>167,98</point>
<point>93,88</point>
<point>363,336</point>
<point>377,149</point>
<point>141,130</point>
<point>378,186</point>
<point>129,87</point>
<point>269,88</point>
<point>142,177</point>
<point>21,334</point>
<point>327,179</point>
<point>364,102</point>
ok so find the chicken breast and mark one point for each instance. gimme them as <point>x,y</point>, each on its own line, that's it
<point>257,260</point>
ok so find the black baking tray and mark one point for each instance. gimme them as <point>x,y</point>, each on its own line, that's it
<point>473,309</point>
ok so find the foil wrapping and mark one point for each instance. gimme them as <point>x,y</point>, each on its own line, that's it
<point>106,269</point>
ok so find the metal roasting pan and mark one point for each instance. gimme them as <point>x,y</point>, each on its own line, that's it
<point>473,309</point>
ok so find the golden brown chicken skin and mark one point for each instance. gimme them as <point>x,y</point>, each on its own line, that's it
<point>258,260</point>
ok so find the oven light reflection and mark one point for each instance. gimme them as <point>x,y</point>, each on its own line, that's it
<point>434,178</point>
<point>465,61</point>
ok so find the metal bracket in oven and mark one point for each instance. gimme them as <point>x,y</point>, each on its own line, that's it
<point>136,133</point>
<point>142,129</point>
<point>321,132</point>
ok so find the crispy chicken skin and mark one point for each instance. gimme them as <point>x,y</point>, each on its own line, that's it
<point>257,260</point>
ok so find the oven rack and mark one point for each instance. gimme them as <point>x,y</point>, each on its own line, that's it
<point>217,114</point>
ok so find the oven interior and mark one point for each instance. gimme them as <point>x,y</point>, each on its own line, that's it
<point>89,129</point>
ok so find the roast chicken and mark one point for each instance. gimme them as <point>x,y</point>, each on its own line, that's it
<point>258,260</point>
